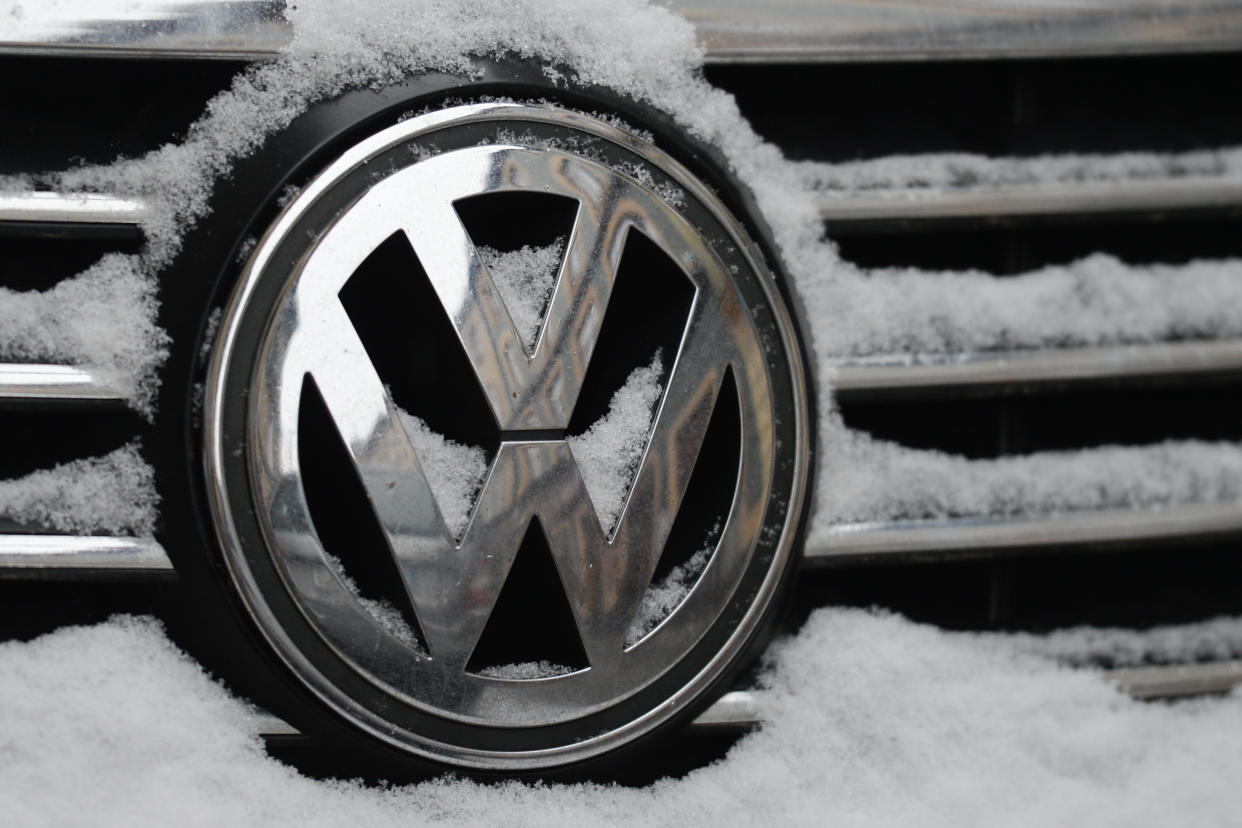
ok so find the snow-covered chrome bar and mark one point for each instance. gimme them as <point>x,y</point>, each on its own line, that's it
<point>796,31</point>
<point>741,710</point>
<point>77,209</point>
<point>998,203</point>
<point>76,556</point>
<point>199,29</point>
<point>991,536</point>
<point>1178,680</point>
<point>732,711</point>
<point>59,384</point>
<point>1002,369</point>
<point>731,31</point>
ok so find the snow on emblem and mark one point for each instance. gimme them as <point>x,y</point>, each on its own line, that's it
<point>660,601</point>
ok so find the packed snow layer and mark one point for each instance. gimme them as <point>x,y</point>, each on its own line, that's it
<point>608,452</point>
<point>865,479</point>
<point>454,471</point>
<point>112,494</point>
<point>959,171</point>
<point>872,720</point>
<point>525,278</point>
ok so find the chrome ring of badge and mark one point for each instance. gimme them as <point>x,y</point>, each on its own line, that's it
<point>285,330</point>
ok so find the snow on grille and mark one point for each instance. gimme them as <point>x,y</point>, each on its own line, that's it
<point>865,479</point>
<point>957,171</point>
<point>871,720</point>
<point>114,493</point>
<point>1098,300</point>
<point>649,54</point>
<point>1217,639</point>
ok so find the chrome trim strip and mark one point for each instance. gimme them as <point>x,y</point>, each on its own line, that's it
<point>270,725</point>
<point>1037,199</point>
<point>731,31</point>
<point>31,383</point>
<point>1178,680</point>
<point>36,556</point>
<point>38,207</point>
<point>732,711</point>
<point>1007,368</point>
<point>986,536</point>
<point>198,29</point>
<point>796,31</point>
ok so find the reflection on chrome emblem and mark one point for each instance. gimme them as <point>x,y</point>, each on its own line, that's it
<point>288,331</point>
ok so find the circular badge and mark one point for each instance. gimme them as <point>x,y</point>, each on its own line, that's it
<point>506,437</point>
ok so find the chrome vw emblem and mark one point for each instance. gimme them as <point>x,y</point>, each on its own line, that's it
<point>289,337</point>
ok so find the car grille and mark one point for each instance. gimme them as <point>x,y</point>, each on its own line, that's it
<point>1116,567</point>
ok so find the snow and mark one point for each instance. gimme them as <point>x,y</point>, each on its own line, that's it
<point>957,171</point>
<point>454,471</point>
<point>104,318</point>
<point>113,494</point>
<point>1098,300</point>
<point>1217,639</point>
<point>526,670</point>
<point>381,610</point>
<point>872,720</point>
<point>525,278</point>
<point>865,479</point>
<point>608,452</point>
<point>666,595</point>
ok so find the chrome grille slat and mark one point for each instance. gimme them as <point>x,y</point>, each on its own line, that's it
<point>97,213</point>
<point>1002,369</point>
<point>731,31</point>
<point>1178,680</point>
<point>736,710</point>
<point>989,536</point>
<point>996,203</point>
<point>88,557</point>
<point>38,384</point>
<point>741,710</point>
<point>224,30</point>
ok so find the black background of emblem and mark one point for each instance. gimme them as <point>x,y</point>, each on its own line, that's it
<point>216,628</point>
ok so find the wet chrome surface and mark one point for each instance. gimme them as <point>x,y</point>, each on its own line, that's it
<point>454,583</point>
<point>86,557</point>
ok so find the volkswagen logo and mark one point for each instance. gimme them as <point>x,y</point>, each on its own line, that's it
<point>408,614</point>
